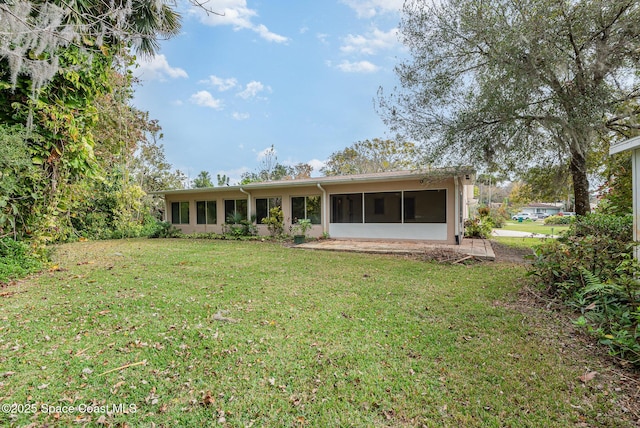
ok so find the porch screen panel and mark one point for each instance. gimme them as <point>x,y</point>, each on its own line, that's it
<point>346,208</point>
<point>383,207</point>
<point>425,206</point>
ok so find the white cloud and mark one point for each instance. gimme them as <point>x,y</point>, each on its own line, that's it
<point>371,8</point>
<point>158,68</point>
<point>264,32</point>
<point>323,38</point>
<point>357,67</point>
<point>252,89</point>
<point>317,164</point>
<point>371,43</point>
<point>205,99</point>
<point>240,116</point>
<point>220,83</point>
<point>237,14</point>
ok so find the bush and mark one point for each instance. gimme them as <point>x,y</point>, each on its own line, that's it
<point>17,259</point>
<point>559,219</point>
<point>591,268</point>
<point>275,221</point>
<point>477,228</point>
<point>165,229</point>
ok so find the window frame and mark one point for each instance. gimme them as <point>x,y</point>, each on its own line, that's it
<point>207,217</point>
<point>277,202</point>
<point>180,207</point>
<point>318,216</point>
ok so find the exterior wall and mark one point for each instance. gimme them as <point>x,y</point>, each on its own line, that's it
<point>437,232</point>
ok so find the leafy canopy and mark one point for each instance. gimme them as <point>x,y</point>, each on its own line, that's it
<point>517,83</point>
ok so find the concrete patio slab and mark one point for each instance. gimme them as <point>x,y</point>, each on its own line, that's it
<point>477,248</point>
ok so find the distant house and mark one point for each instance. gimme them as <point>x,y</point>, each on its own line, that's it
<point>539,208</point>
<point>408,205</point>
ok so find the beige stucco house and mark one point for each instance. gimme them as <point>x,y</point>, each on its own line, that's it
<point>405,205</point>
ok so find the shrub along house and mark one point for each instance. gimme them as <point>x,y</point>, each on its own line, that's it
<point>409,205</point>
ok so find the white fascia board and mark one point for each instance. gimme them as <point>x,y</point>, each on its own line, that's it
<point>630,144</point>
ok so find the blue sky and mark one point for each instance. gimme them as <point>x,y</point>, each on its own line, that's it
<point>301,76</point>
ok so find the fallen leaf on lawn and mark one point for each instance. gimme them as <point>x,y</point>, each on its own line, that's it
<point>43,386</point>
<point>7,374</point>
<point>272,381</point>
<point>588,376</point>
<point>102,420</point>
<point>208,399</point>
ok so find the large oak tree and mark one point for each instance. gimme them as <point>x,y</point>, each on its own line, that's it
<point>514,83</point>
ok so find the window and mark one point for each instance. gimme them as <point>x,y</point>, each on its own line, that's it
<point>346,208</point>
<point>306,207</point>
<point>383,207</point>
<point>206,212</point>
<point>264,205</point>
<point>235,210</point>
<point>425,206</point>
<point>180,212</point>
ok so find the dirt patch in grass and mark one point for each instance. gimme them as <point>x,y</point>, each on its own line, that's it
<point>510,254</point>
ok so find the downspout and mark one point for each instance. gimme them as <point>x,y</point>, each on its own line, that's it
<point>248,203</point>
<point>324,210</point>
<point>457,210</point>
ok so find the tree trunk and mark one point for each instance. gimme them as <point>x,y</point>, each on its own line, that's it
<point>578,168</point>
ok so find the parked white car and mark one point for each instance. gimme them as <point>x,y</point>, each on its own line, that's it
<point>522,216</point>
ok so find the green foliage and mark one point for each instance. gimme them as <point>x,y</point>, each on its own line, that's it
<point>476,228</point>
<point>481,226</point>
<point>514,84</point>
<point>559,219</point>
<point>275,221</point>
<point>591,268</point>
<point>17,259</point>
<point>617,191</point>
<point>163,229</point>
<point>370,156</point>
<point>237,226</point>
<point>21,183</point>
<point>202,180</point>
<point>301,227</point>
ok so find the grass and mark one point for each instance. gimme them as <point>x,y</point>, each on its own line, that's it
<point>519,242</point>
<point>535,227</point>
<point>198,333</point>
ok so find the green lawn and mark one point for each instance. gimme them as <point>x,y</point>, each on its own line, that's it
<point>198,333</point>
<point>535,227</point>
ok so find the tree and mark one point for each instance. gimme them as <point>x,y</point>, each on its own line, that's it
<point>36,33</point>
<point>549,183</point>
<point>203,180</point>
<point>513,83</point>
<point>223,180</point>
<point>371,156</point>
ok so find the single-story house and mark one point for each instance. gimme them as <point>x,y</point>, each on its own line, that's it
<point>409,205</point>
<point>540,208</point>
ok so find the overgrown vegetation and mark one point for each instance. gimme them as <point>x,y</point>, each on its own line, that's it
<point>275,221</point>
<point>558,219</point>
<point>591,268</point>
<point>17,259</point>
<point>482,225</point>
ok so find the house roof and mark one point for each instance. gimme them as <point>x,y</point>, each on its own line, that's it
<point>427,174</point>
<point>540,205</point>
